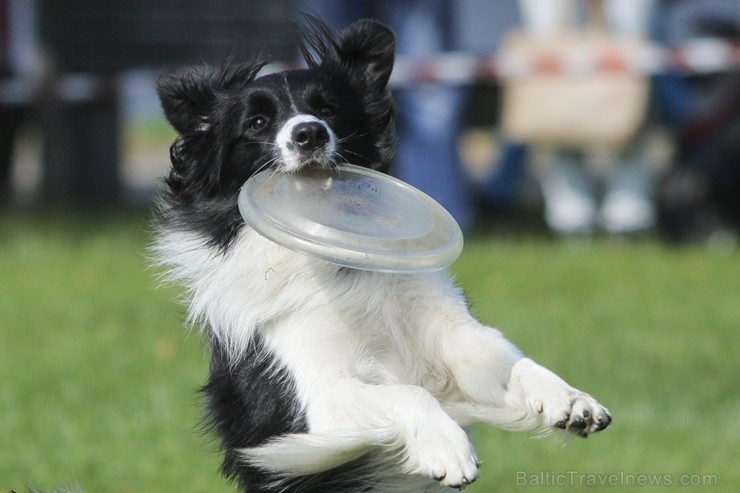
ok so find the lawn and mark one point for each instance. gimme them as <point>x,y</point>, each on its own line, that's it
<point>98,379</point>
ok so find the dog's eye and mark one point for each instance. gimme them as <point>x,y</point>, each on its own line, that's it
<point>258,123</point>
<point>326,111</point>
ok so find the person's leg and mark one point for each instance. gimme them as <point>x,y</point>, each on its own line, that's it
<point>628,205</point>
<point>629,18</point>
<point>569,194</point>
<point>429,115</point>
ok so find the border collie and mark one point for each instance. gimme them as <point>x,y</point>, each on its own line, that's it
<point>325,378</point>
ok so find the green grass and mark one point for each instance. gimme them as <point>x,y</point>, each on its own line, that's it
<point>98,379</point>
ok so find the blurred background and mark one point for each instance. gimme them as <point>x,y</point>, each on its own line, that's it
<point>589,149</point>
<point>81,124</point>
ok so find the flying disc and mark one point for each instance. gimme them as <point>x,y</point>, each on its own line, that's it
<point>352,216</point>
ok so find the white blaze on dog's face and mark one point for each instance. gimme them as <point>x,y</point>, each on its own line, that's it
<point>302,140</point>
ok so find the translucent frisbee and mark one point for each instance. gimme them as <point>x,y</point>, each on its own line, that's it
<point>352,216</point>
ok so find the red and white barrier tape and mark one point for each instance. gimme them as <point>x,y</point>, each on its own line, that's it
<point>696,57</point>
<point>701,56</point>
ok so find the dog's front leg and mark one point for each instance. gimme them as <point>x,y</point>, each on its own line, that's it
<point>496,382</point>
<point>354,418</point>
<point>404,417</point>
<point>503,387</point>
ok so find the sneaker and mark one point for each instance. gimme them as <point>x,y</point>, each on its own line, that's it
<point>570,206</point>
<point>627,213</point>
<point>628,206</point>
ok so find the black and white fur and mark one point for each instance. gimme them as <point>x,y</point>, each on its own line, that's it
<point>324,378</point>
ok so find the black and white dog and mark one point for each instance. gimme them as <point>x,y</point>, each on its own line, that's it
<point>324,378</point>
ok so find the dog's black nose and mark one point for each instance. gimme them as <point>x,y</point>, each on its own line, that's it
<point>310,135</point>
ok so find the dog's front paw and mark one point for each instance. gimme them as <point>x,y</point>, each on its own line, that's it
<point>442,452</point>
<point>581,415</point>
<point>557,404</point>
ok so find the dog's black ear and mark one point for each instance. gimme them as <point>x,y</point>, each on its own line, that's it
<point>371,46</point>
<point>188,97</point>
<point>366,47</point>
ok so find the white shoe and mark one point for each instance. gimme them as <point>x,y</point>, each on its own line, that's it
<point>627,205</point>
<point>627,213</point>
<point>570,207</point>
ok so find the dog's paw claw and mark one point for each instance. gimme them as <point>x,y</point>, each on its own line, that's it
<point>603,422</point>
<point>464,482</point>
<point>578,424</point>
<point>584,416</point>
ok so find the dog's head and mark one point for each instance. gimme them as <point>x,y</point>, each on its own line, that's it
<point>232,123</point>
